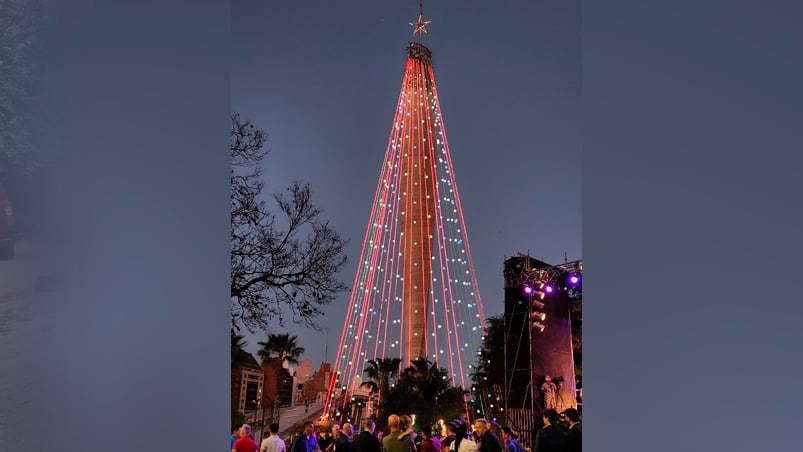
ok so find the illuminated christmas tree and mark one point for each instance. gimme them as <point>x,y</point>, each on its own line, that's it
<point>415,293</point>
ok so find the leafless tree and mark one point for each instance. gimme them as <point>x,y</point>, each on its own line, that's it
<point>281,264</point>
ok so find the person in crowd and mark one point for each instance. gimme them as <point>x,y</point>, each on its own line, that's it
<point>462,439</point>
<point>391,441</point>
<point>273,443</point>
<point>245,443</point>
<point>551,438</point>
<point>486,440</point>
<point>342,438</point>
<point>348,430</point>
<point>406,426</point>
<point>335,431</point>
<point>446,441</point>
<point>324,440</point>
<point>509,441</point>
<point>563,422</point>
<point>495,428</point>
<point>306,442</point>
<point>429,442</point>
<point>235,434</point>
<point>575,436</point>
<point>366,441</point>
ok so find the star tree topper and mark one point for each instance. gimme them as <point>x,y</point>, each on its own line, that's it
<point>420,27</point>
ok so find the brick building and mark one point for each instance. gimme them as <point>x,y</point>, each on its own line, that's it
<point>246,383</point>
<point>317,384</point>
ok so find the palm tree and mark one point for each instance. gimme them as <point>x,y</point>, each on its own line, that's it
<point>237,348</point>
<point>381,372</point>
<point>280,349</point>
<point>423,377</point>
<point>426,389</point>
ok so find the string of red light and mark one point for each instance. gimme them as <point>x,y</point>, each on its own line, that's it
<point>380,191</point>
<point>376,308</point>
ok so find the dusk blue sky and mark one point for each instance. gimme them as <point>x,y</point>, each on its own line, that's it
<point>322,79</point>
<point>691,173</point>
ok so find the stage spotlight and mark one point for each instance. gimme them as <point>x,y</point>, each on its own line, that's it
<point>539,293</point>
<point>548,289</point>
<point>538,305</point>
<point>528,290</point>
<point>539,326</point>
<point>574,279</point>
<point>539,315</point>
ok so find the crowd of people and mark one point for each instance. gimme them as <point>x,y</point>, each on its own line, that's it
<point>561,433</point>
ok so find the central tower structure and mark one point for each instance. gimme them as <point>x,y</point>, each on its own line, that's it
<point>415,293</point>
<point>418,198</point>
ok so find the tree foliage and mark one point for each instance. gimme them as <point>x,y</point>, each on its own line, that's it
<point>381,373</point>
<point>237,420</point>
<point>237,343</point>
<point>238,354</point>
<point>425,390</point>
<point>280,348</point>
<point>19,22</point>
<point>490,370</point>
<point>283,263</point>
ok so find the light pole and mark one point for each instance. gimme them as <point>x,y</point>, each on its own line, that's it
<point>258,406</point>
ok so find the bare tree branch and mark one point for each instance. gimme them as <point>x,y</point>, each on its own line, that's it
<point>283,264</point>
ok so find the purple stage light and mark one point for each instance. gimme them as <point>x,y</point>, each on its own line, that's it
<point>528,290</point>
<point>574,279</point>
<point>549,289</point>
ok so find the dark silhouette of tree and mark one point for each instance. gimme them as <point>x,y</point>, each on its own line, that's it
<point>237,420</point>
<point>382,373</point>
<point>238,353</point>
<point>280,348</point>
<point>425,390</point>
<point>237,343</point>
<point>284,263</point>
<point>490,368</point>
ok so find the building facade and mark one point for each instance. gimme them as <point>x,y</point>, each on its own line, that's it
<point>247,380</point>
